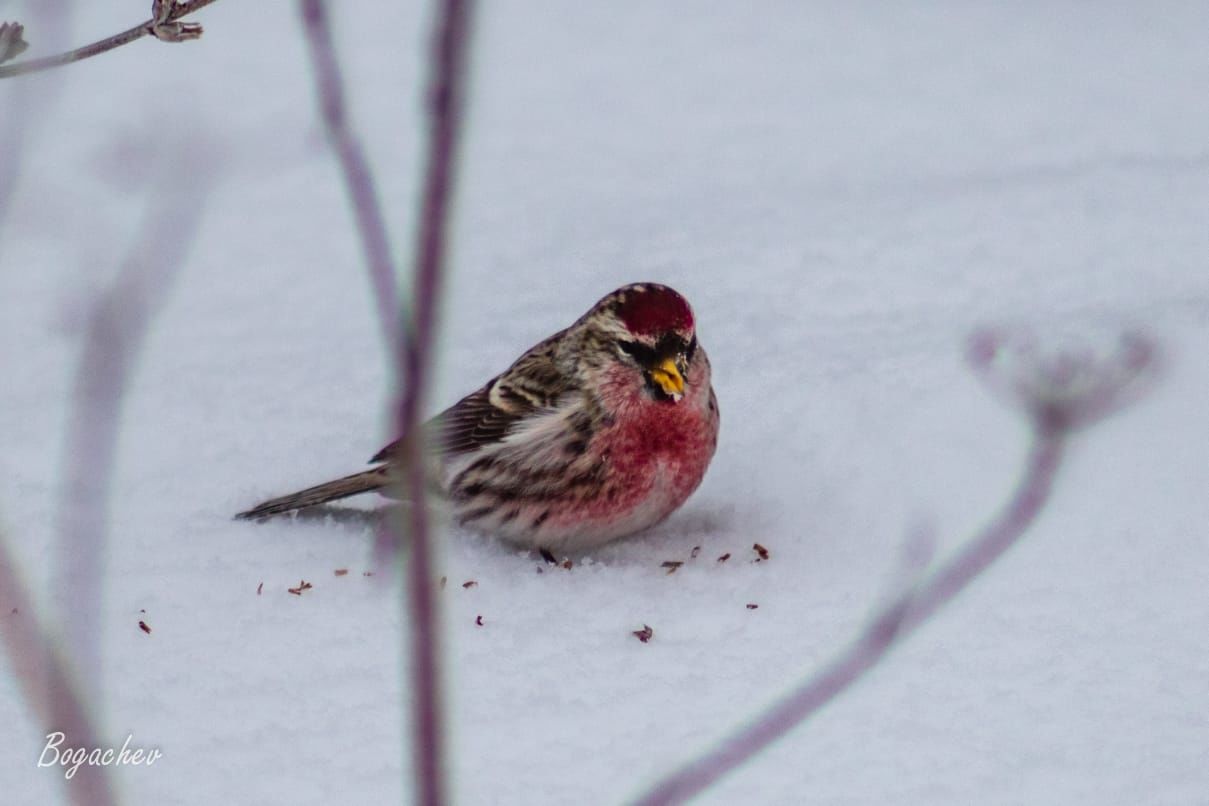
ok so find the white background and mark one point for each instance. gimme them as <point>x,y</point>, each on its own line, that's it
<point>842,192</point>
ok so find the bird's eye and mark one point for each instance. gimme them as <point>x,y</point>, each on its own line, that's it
<point>639,352</point>
<point>690,351</point>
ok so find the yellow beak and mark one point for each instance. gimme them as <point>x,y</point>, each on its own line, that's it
<point>669,379</point>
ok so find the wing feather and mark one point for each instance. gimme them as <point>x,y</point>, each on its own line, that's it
<point>531,386</point>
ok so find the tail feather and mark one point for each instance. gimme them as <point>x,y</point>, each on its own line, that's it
<point>362,482</point>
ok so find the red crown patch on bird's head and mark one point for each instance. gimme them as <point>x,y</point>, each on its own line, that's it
<point>648,309</point>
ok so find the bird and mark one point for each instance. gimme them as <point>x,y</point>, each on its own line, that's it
<point>595,433</point>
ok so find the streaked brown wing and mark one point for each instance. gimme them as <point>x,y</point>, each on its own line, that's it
<point>532,384</point>
<point>472,422</point>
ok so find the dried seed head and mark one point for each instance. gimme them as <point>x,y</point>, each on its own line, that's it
<point>12,41</point>
<point>1068,381</point>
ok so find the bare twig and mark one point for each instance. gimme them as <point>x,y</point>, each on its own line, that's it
<point>46,682</point>
<point>447,92</point>
<point>358,178</point>
<point>1056,405</point>
<point>115,333</point>
<point>165,28</point>
<point>163,25</point>
<point>412,356</point>
<point>889,626</point>
<point>12,41</point>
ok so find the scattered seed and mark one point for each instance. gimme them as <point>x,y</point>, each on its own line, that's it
<point>696,551</point>
<point>367,573</point>
<point>341,572</point>
<point>478,621</point>
<point>752,606</point>
<point>302,586</point>
<point>541,570</point>
<point>259,588</point>
<point>763,552</point>
<point>143,626</point>
<point>470,583</point>
<point>644,635</point>
<point>671,565</point>
<point>724,557</point>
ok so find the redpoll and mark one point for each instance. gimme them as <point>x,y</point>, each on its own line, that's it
<point>600,431</point>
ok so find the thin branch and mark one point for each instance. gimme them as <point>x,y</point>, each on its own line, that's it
<point>116,331</point>
<point>887,628</point>
<point>12,41</point>
<point>358,178</point>
<point>46,682</point>
<point>1045,456</point>
<point>1059,392</point>
<point>447,92</point>
<point>163,25</point>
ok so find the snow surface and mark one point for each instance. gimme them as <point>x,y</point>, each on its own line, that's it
<point>843,192</point>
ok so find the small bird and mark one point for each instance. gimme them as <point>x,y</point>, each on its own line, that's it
<point>599,431</point>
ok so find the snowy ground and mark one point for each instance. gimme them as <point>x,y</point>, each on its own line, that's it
<point>843,194</point>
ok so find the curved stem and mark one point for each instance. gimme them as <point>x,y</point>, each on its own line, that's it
<point>358,178</point>
<point>99,47</point>
<point>888,627</point>
<point>447,92</point>
<point>47,683</point>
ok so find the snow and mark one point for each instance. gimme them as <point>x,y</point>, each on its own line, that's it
<point>843,193</point>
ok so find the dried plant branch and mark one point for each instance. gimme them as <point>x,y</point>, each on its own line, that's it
<point>12,41</point>
<point>888,627</point>
<point>447,93</point>
<point>116,330</point>
<point>358,178</point>
<point>1059,393</point>
<point>163,25</point>
<point>46,681</point>
<point>165,28</point>
<point>412,356</point>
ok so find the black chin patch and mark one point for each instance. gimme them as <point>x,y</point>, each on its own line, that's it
<point>657,391</point>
